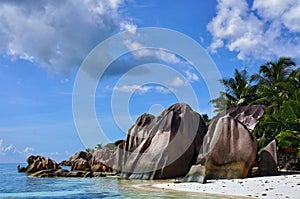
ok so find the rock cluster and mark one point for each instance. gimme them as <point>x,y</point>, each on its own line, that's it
<point>97,161</point>
<point>176,143</point>
<point>83,164</point>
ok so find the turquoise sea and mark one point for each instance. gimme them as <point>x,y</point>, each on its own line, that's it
<point>19,185</point>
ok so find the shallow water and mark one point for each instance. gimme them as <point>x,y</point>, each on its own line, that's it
<point>19,185</point>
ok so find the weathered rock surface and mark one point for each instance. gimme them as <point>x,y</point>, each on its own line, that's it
<point>268,162</point>
<point>79,155</point>
<point>229,151</point>
<point>101,158</point>
<point>247,115</point>
<point>65,173</point>
<point>232,151</point>
<point>38,163</point>
<point>80,162</point>
<point>81,165</point>
<point>162,147</point>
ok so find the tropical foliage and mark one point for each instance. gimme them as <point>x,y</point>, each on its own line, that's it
<point>277,85</point>
<point>239,90</point>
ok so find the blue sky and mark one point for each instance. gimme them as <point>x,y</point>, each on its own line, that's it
<point>44,43</point>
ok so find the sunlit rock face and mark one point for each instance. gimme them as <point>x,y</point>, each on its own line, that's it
<point>229,149</point>
<point>232,152</point>
<point>164,146</point>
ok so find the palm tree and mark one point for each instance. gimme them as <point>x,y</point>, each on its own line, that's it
<point>273,73</point>
<point>294,85</point>
<point>238,91</point>
<point>273,81</point>
<point>279,89</point>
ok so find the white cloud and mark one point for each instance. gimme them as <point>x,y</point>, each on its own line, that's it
<point>268,30</point>
<point>177,82</point>
<point>132,88</point>
<point>28,150</point>
<point>141,89</point>
<point>291,19</point>
<point>1,146</point>
<point>57,34</point>
<point>5,149</point>
<point>272,9</point>
<point>163,90</point>
<point>129,27</point>
<point>191,77</point>
<point>11,149</point>
<point>141,52</point>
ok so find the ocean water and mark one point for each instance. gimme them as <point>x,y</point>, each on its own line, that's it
<point>19,185</point>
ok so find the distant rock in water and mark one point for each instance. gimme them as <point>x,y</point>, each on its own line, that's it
<point>79,155</point>
<point>38,163</point>
<point>229,149</point>
<point>80,165</point>
<point>39,166</point>
<point>97,161</point>
<point>162,147</point>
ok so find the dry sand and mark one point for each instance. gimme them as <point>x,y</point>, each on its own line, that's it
<point>282,186</point>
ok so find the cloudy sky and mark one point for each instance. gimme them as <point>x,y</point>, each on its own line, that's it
<point>43,45</point>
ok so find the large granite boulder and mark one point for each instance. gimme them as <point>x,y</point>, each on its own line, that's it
<point>38,163</point>
<point>229,151</point>
<point>164,146</point>
<point>232,151</point>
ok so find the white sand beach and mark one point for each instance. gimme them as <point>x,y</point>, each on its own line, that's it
<point>282,186</point>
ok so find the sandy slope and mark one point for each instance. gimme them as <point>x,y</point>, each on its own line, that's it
<point>283,186</point>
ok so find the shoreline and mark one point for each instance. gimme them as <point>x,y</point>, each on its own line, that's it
<point>281,186</point>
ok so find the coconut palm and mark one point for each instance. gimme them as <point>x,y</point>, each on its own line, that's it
<point>273,81</point>
<point>239,90</point>
<point>272,73</point>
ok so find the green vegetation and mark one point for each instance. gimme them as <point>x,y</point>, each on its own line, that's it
<point>110,146</point>
<point>239,90</point>
<point>277,85</point>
